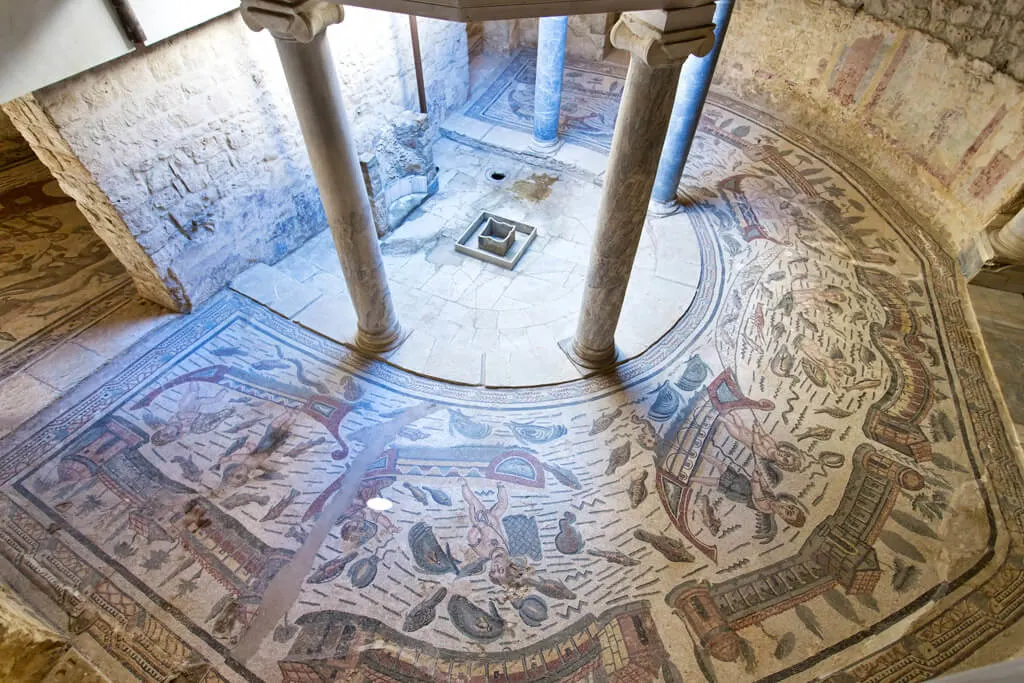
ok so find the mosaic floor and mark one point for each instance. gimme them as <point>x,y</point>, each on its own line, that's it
<point>56,275</point>
<point>809,477</point>
<point>590,100</point>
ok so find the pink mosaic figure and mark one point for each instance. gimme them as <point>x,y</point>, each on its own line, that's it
<point>485,536</point>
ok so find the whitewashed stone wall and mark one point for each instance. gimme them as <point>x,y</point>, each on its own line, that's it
<point>196,146</point>
<point>941,129</point>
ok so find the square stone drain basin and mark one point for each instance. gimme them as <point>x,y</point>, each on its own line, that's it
<point>496,240</point>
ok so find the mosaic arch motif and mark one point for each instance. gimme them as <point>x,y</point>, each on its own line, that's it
<point>785,487</point>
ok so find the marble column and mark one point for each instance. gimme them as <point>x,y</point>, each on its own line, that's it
<point>299,29</point>
<point>658,42</point>
<point>547,92</point>
<point>1008,241</point>
<point>694,83</point>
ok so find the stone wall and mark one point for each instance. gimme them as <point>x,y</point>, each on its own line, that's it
<point>587,36</point>
<point>991,30</point>
<point>940,128</point>
<point>195,145</point>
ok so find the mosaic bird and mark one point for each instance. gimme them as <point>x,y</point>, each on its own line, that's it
<point>637,489</point>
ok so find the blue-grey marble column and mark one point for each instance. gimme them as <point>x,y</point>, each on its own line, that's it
<point>547,93</point>
<point>694,83</point>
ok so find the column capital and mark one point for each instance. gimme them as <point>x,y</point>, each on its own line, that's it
<point>296,20</point>
<point>662,38</point>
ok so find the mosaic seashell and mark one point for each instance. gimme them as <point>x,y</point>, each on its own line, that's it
<point>428,553</point>
<point>665,405</point>
<point>694,374</point>
<point>532,610</point>
<point>363,572</point>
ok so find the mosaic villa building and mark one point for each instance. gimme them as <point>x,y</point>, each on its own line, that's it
<point>466,341</point>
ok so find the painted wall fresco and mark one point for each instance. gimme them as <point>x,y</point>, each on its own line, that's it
<point>785,486</point>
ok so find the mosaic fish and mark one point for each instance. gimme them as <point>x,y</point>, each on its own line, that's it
<point>563,476</point>
<point>207,422</point>
<point>439,496</point>
<point>244,498</point>
<point>305,446</point>
<point>363,572</point>
<point>467,427</point>
<point>189,469</point>
<point>603,422</point>
<point>708,516</point>
<point>672,548</point>
<point>865,384</point>
<point>245,425</point>
<point>818,433</point>
<point>618,457</point>
<point>552,588</point>
<point>330,570</point>
<point>637,490</point>
<point>536,434</point>
<point>475,567</point>
<point>228,351</point>
<point>416,492</point>
<point>269,365</point>
<point>614,556</point>
<point>474,622</point>
<point>428,553</point>
<point>425,612</point>
<point>412,434</point>
<point>280,506</point>
<point>837,413</point>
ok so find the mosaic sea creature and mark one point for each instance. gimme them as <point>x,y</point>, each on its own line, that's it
<point>467,427</point>
<point>672,548</point>
<point>694,373</point>
<point>228,351</point>
<point>531,433</point>
<point>269,365</point>
<point>614,556</point>
<point>708,516</point>
<point>416,492</point>
<point>618,457</point>
<point>207,422</point>
<point>474,622</point>
<point>637,489</point>
<point>330,570</point>
<point>428,553</point>
<point>358,531</point>
<point>280,506</point>
<point>563,476</point>
<point>425,612</point>
<point>304,446</point>
<point>475,567</point>
<point>363,572</point>
<point>569,540</point>
<point>532,610</point>
<point>817,433</point>
<point>189,469</point>
<point>665,405</point>
<point>244,498</point>
<point>603,422</point>
<point>552,588</point>
<point>412,433</point>
<point>782,363</point>
<point>439,496</point>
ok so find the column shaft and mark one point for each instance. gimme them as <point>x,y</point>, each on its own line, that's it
<point>313,83</point>
<point>547,93</point>
<point>639,134</point>
<point>694,83</point>
<point>1008,241</point>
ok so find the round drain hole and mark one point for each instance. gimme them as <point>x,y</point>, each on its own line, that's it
<point>497,176</point>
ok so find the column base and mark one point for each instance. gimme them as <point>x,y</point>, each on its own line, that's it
<point>664,209</point>
<point>587,361</point>
<point>379,344</point>
<point>545,147</point>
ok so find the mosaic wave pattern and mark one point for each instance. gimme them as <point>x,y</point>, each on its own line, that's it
<point>787,486</point>
<point>590,100</point>
<point>56,275</point>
